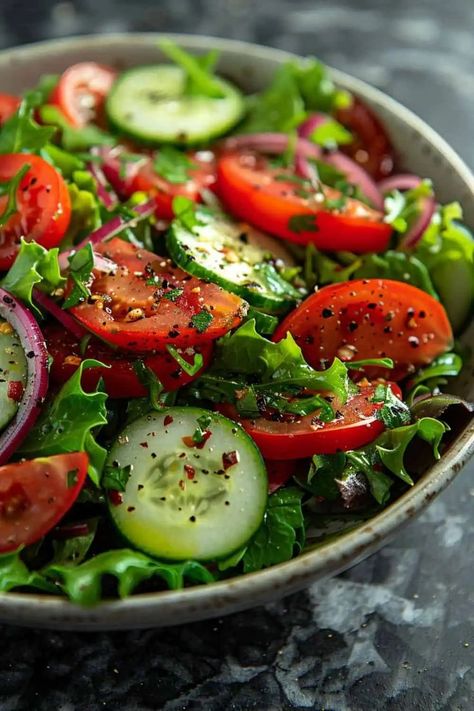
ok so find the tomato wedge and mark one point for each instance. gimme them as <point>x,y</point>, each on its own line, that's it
<point>270,199</point>
<point>370,318</point>
<point>8,105</point>
<point>35,495</point>
<point>149,303</point>
<point>43,204</point>
<point>371,147</point>
<point>120,380</point>
<point>81,91</point>
<point>355,426</point>
<point>201,175</point>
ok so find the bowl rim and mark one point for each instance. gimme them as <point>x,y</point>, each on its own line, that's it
<point>247,590</point>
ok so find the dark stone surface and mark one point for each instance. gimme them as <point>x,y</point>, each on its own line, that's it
<point>395,632</point>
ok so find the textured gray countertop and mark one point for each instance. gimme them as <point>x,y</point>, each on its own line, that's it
<point>395,632</point>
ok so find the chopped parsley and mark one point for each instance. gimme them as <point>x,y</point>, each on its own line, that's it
<point>173,165</point>
<point>302,223</point>
<point>202,320</point>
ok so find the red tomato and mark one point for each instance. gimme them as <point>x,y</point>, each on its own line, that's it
<point>43,203</point>
<point>201,176</point>
<point>8,106</point>
<point>260,194</point>
<point>372,147</point>
<point>35,495</point>
<point>120,379</point>
<point>131,310</point>
<point>81,91</point>
<point>279,472</point>
<point>370,318</point>
<point>301,437</point>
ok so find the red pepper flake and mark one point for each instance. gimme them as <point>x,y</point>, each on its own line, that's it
<point>168,420</point>
<point>190,442</point>
<point>115,497</point>
<point>229,459</point>
<point>190,471</point>
<point>144,445</point>
<point>181,484</point>
<point>15,390</point>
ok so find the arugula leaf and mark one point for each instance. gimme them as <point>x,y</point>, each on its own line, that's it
<point>85,214</point>
<point>72,551</point>
<point>81,264</point>
<point>280,107</point>
<point>316,87</point>
<point>324,470</point>
<point>43,90</point>
<point>173,165</point>
<point>150,381</point>
<point>380,362</point>
<point>392,444</point>
<point>393,412</point>
<point>437,405</point>
<point>10,189</point>
<point>83,583</point>
<point>189,368</point>
<point>198,69</point>
<point>33,266</point>
<point>15,574</point>
<point>67,422</point>
<point>202,320</point>
<point>428,379</point>
<point>21,132</point>
<point>402,209</point>
<point>72,138</point>
<point>447,250</point>
<point>396,265</point>
<point>281,531</point>
<point>279,365</point>
<point>115,477</point>
<point>184,210</point>
<point>64,161</point>
<point>330,134</point>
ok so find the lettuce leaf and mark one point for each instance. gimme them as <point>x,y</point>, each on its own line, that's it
<point>15,574</point>
<point>34,266</point>
<point>281,532</point>
<point>83,583</point>
<point>67,424</point>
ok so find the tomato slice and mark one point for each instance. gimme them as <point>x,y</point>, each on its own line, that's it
<point>35,495</point>
<point>43,204</point>
<point>201,175</point>
<point>8,106</point>
<point>372,147</point>
<point>355,426</point>
<point>370,318</point>
<point>269,198</point>
<point>149,303</point>
<point>120,380</point>
<point>81,91</point>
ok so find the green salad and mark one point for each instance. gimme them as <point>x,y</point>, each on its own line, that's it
<point>227,324</point>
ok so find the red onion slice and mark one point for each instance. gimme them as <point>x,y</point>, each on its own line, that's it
<point>120,173</point>
<point>278,142</point>
<point>32,341</point>
<point>407,181</point>
<point>64,317</point>
<point>104,191</point>
<point>402,181</point>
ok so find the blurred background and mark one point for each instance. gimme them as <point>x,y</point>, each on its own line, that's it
<point>420,51</point>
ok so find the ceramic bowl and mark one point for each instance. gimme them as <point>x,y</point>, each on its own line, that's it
<point>420,150</point>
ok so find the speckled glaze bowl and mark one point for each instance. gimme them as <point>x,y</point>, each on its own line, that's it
<point>420,150</point>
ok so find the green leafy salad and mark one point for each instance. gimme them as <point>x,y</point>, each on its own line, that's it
<point>227,323</point>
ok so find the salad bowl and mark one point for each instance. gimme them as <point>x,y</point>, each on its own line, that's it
<point>420,150</point>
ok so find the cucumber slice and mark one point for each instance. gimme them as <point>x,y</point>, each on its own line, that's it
<point>13,369</point>
<point>149,104</point>
<point>236,257</point>
<point>184,501</point>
